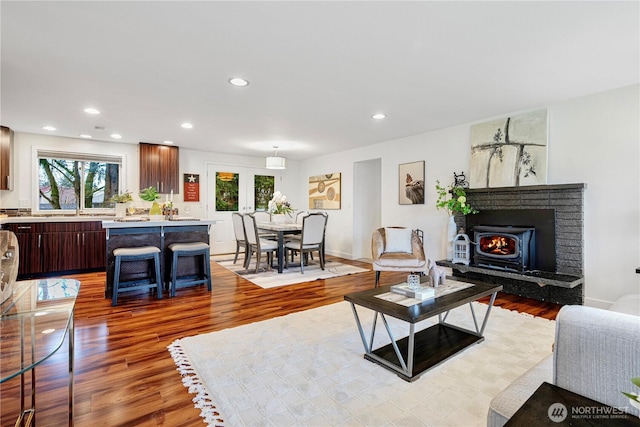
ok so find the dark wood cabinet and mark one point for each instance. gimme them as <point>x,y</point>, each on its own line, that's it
<point>6,145</point>
<point>56,247</point>
<point>159,167</point>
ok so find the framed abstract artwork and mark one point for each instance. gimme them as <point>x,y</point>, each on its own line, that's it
<point>510,152</point>
<point>324,191</point>
<point>411,183</point>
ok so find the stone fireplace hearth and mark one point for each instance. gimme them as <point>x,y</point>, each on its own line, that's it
<point>557,213</point>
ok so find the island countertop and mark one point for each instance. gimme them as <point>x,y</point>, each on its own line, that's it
<point>145,223</point>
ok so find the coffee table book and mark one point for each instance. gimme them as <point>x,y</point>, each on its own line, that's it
<point>422,293</point>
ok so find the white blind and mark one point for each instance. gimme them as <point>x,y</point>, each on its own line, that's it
<point>81,157</point>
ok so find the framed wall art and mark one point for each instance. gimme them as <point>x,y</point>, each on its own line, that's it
<point>411,183</point>
<point>510,152</point>
<point>324,191</point>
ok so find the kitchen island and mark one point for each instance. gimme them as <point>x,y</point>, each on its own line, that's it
<point>135,232</point>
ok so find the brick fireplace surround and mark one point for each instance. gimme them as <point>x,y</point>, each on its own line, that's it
<point>565,285</point>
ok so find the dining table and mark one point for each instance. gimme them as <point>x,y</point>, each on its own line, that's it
<point>281,229</point>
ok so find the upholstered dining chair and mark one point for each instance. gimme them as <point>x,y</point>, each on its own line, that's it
<point>398,249</point>
<point>311,238</point>
<point>238,231</point>
<point>255,244</point>
<point>264,216</point>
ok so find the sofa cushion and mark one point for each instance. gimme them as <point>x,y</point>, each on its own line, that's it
<point>398,240</point>
<point>508,401</point>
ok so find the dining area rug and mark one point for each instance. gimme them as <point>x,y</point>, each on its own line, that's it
<point>270,278</point>
<point>307,369</point>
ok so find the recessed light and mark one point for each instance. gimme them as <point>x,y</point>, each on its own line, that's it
<point>91,110</point>
<point>116,136</point>
<point>187,125</point>
<point>378,116</point>
<point>84,135</point>
<point>167,142</point>
<point>49,128</point>
<point>237,81</point>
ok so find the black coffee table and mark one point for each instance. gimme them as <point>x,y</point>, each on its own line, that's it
<point>420,351</point>
<point>551,405</point>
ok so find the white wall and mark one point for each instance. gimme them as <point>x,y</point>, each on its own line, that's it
<point>593,140</point>
<point>191,161</point>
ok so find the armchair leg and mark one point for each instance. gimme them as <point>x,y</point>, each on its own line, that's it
<point>377,278</point>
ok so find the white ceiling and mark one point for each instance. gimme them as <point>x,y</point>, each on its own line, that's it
<point>317,70</point>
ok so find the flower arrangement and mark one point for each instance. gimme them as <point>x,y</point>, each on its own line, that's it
<point>453,199</point>
<point>121,198</point>
<point>279,205</point>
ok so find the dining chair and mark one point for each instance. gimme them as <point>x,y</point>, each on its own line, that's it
<point>238,231</point>
<point>256,244</point>
<point>264,216</point>
<point>312,238</point>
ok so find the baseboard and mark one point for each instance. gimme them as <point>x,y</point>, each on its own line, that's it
<point>597,303</point>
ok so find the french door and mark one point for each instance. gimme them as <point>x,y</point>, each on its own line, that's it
<point>234,189</point>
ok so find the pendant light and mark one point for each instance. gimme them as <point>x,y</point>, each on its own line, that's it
<point>275,161</point>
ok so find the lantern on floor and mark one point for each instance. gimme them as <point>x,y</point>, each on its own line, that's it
<point>461,249</point>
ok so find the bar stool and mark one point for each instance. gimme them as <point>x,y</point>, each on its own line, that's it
<point>143,253</point>
<point>194,249</point>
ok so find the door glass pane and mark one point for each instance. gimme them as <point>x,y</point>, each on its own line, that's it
<point>263,190</point>
<point>227,191</point>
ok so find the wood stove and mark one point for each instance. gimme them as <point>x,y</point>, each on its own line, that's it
<point>505,248</point>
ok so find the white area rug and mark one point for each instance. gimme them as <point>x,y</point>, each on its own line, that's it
<point>271,278</point>
<point>307,369</point>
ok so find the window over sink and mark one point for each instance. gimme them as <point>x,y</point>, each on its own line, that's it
<point>70,181</point>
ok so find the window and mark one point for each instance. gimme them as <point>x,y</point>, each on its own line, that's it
<point>69,180</point>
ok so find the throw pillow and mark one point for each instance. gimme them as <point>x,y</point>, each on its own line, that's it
<point>398,240</point>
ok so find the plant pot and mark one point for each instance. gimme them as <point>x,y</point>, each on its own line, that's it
<point>278,218</point>
<point>121,210</point>
<point>155,209</point>
<point>451,234</point>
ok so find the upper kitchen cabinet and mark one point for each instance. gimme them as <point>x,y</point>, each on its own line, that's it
<point>159,166</point>
<point>6,145</point>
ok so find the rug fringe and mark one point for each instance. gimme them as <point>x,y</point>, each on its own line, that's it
<point>194,384</point>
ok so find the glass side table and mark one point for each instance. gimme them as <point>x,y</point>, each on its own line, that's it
<point>33,325</point>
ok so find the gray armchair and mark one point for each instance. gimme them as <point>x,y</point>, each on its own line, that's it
<point>397,249</point>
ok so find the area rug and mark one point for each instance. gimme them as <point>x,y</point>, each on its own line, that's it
<point>270,278</point>
<point>307,369</point>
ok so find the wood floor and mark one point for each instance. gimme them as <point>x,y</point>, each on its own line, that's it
<point>124,375</point>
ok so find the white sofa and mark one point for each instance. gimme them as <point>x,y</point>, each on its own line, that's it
<point>596,353</point>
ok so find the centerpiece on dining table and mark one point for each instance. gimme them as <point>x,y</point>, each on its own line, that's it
<point>279,208</point>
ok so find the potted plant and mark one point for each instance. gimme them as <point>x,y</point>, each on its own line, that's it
<point>279,207</point>
<point>151,195</point>
<point>121,201</point>
<point>454,200</point>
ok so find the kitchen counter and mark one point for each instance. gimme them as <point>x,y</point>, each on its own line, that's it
<point>142,222</point>
<point>54,218</point>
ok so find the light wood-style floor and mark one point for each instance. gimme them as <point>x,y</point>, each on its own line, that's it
<point>124,375</point>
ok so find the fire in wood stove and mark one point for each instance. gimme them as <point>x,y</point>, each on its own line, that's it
<point>498,245</point>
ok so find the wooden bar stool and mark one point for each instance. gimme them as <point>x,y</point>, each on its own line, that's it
<point>200,276</point>
<point>145,279</point>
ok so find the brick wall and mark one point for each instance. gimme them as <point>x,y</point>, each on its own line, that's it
<point>568,202</point>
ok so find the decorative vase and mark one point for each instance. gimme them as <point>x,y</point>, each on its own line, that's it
<point>155,213</point>
<point>451,234</point>
<point>121,210</point>
<point>278,218</point>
